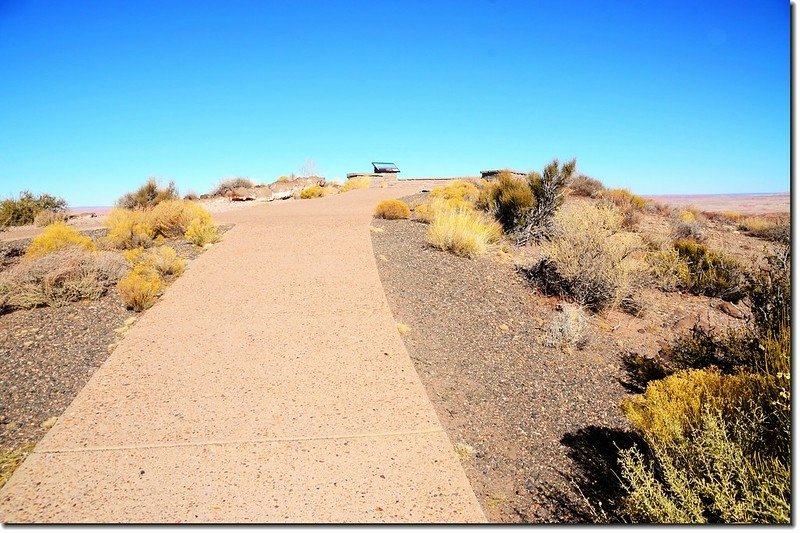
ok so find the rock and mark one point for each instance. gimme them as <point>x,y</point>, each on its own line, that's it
<point>730,309</point>
<point>503,328</point>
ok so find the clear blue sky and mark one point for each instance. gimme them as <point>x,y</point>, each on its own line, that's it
<point>661,97</point>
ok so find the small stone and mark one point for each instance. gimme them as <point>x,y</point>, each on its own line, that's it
<point>50,422</point>
<point>383,257</point>
<point>27,343</point>
<point>730,310</point>
<point>122,330</point>
<point>503,328</point>
<point>129,321</point>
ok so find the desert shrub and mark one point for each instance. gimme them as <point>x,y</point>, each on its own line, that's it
<point>667,270</point>
<point>392,210</point>
<point>172,218</point>
<point>624,198</point>
<point>57,236</point>
<point>769,228</point>
<point>140,287</point>
<point>710,273</point>
<point>629,204</point>
<point>707,478</point>
<point>588,258</point>
<point>356,183</point>
<point>23,209</point>
<point>191,195</point>
<point>201,232</point>
<point>585,186</point>
<point>423,213</point>
<point>508,199</point>
<point>713,453</point>
<point>686,216</point>
<point>68,274</point>
<point>231,184</point>
<point>164,260</point>
<point>464,232</point>
<point>688,230</point>
<point>718,435</point>
<point>10,459</point>
<point>568,329</point>
<point>458,190</point>
<point>148,195</point>
<point>129,229</point>
<point>50,216</point>
<point>314,191</point>
<point>548,189</point>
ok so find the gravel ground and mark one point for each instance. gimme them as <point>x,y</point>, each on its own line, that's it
<point>48,354</point>
<point>531,423</point>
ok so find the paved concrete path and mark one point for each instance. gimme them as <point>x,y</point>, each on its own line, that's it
<point>269,384</point>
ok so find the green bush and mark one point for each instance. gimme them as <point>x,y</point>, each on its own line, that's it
<point>509,199</point>
<point>23,210</point>
<point>548,189</point>
<point>718,435</point>
<point>148,195</point>
<point>710,273</point>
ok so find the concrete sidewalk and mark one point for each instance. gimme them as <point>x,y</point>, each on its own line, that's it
<point>269,384</point>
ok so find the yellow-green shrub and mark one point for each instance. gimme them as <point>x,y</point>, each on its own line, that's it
<point>172,218</point>
<point>128,229</point>
<point>315,191</point>
<point>164,260</point>
<point>711,273</point>
<point>356,183</point>
<point>201,233</point>
<point>667,270</point>
<point>23,210</point>
<point>464,232</point>
<point>588,258</point>
<point>457,190</point>
<point>686,216</point>
<point>423,213</point>
<point>140,287</point>
<point>392,210</point>
<point>56,236</point>
<point>508,199</point>
<point>623,198</point>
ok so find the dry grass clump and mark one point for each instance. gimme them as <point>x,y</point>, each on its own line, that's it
<point>56,236</point>
<point>711,273</point>
<point>629,204</point>
<point>50,216</point>
<point>392,210</point>
<point>201,233</point>
<point>508,199</point>
<point>771,228</point>
<point>458,190</point>
<point>588,258</point>
<point>23,209</point>
<point>585,186</point>
<point>464,232</point>
<point>164,259</point>
<point>667,270</point>
<point>66,275</point>
<point>174,218</point>
<point>129,229</point>
<point>10,459</point>
<point>568,329</point>
<point>356,183</point>
<point>318,191</point>
<point>140,287</point>
<point>148,195</point>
